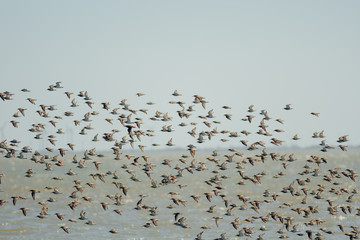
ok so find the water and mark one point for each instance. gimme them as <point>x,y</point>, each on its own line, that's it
<point>130,225</point>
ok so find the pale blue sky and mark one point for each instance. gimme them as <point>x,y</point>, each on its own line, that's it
<point>238,53</point>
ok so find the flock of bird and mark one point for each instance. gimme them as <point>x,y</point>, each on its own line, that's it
<point>128,131</point>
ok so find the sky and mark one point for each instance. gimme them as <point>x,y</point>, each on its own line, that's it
<point>236,53</point>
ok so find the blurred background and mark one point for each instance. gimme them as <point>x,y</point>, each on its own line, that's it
<point>235,53</point>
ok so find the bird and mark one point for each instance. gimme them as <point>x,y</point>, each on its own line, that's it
<point>82,215</point>
<point>15,198</point>
<point>176,93</point>
<point>309,233</point>
<point>68,94</point>
<point>154,221</point>
<point>199,236</point>
<point>315,114</point>
<point>2,202</point>
<point>24,210</point>
<point>196,198</point>
<point>343,147</point>
<point>208,196</point>
<point>217,220</point>
<point>118,211</point>
<point>33,192</point>
<point>104,205</point>
<point>73,103</point>
<point>251,108</point>
<point>295,137</point>
<point>169,143</point>
<point>65,228</point>
<point>288,107</point>
<point>14,123</point>
<point>60,216</point>
<point>32,101</point>
<point>71,146</point>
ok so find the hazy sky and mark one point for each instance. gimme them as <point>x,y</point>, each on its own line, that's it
<point>237,53</point>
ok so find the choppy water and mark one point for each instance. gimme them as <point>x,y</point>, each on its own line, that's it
<point>129,225</point>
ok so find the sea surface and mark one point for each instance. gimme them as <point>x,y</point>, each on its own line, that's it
<point>130,224</point>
